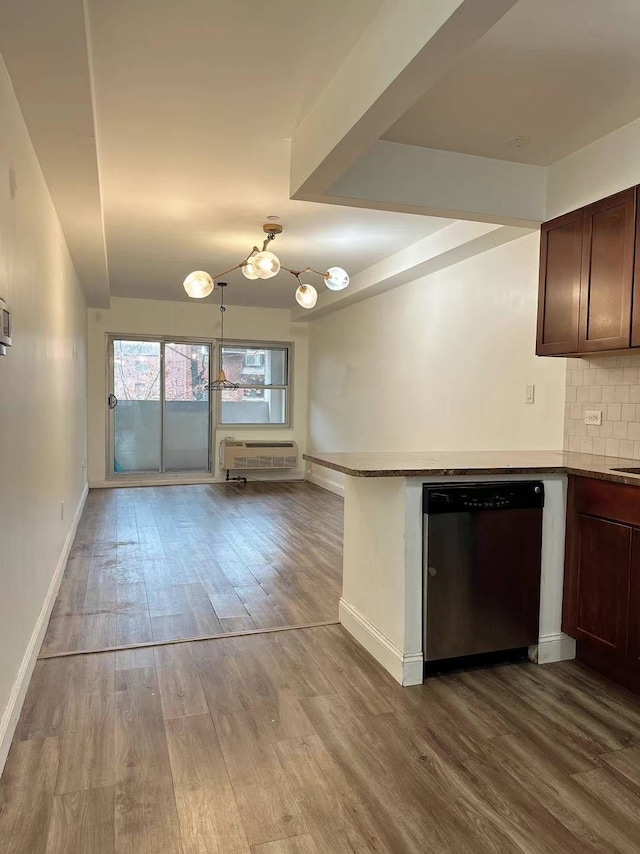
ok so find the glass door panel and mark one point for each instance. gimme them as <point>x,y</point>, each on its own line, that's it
<point>187,410</point>
<point>137,412</point>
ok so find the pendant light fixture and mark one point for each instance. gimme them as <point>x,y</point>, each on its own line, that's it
<point>221,383</point>
<point>264,264</point>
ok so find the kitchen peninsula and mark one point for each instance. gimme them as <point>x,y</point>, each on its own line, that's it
<point>382,601</point>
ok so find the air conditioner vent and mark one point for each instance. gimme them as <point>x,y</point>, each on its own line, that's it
<point>238,455</point>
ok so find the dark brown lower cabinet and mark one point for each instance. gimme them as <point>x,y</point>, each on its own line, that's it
<point>633,657</point>
<point>601,607</point>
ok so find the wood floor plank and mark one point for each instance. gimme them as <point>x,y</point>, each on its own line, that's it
<point>87,758</point>
<point>546,780</point>
<point>227,604</point>
<point>223,686</point>
<point>207,808</point>
<point>618,794</point>
<point>83,823</point>
<point>626,762</point>
<point>605,730</point>
<point>180,687</point>
<point>547,726</point>
<point>328,801</point>
<point>141,746</point>
<point>133,627</point>
<point>274,703</point>
<point>265,800</point>
<point>129,659</point>
<point>355,676</point>
<point>406,775</point>
<point>146,820</point>
<point>294,845</point>
<point>45,706</point>
<point>26,795</point>
<point>237,624</point>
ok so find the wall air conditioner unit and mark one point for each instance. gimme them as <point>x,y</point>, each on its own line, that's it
<point>254,454</point>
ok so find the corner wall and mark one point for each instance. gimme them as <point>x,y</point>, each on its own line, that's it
<point>42,408</point>
<point>441,363</point>
<point>192,320</point>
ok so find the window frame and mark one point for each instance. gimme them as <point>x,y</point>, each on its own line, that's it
<point>286,387</point>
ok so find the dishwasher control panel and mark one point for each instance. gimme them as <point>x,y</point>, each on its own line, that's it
<point>465,498</point>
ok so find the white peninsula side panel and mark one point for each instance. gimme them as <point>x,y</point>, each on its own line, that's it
<point>381,600</point>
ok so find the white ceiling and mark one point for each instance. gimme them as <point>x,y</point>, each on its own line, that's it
<point>196,103</point>
<point>563,72</point>
<point>171,123</point>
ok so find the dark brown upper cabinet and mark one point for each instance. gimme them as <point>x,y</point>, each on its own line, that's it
<point>587,279</point>
<point>635,313</point>
<point>606,280</point>
<point>559,294</point>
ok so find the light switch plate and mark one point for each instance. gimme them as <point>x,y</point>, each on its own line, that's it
<point>593,417</point>
<point>530,394</point>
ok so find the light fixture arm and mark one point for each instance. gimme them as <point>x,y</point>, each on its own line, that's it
<point>298,273</point>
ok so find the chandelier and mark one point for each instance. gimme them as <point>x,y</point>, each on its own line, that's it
<point>263,264</point>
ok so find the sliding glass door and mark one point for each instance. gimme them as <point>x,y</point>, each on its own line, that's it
<point>159,406</point>
<point>187,412</point>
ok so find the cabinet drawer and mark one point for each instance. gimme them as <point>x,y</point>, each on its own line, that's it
<point>615,501</point>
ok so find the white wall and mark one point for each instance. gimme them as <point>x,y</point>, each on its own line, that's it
<point>191,320</point>
<point>598,170</point>
<point>439,364</point>
<point>42,403</point>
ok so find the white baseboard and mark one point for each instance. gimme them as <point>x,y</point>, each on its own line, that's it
<point>325,483</point>
<point>555,647</point>
<point>11,713</point>
<point>406,668</point>
<point>185,480</point>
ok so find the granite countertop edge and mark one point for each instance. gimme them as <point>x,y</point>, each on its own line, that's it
<point>579,465</point>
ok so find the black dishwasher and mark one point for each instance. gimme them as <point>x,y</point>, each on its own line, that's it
<point>482,559</point>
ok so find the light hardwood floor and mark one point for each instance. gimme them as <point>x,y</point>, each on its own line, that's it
<point>158,564</point>
<point>298,742</point>
<point>293,742</point>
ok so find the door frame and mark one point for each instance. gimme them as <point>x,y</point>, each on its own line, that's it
<point>111,474</point>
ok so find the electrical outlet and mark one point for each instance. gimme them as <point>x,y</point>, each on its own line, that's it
<point>530,394</point>
<point>593,417</point>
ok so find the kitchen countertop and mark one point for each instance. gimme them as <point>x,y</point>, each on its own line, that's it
<point>453,463</point>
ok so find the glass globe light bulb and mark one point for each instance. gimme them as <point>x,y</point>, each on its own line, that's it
<point>198,284</point>
<point>306,296</point>
<point>336,279</point>
<point>249,271</point>
<point>266,264</point>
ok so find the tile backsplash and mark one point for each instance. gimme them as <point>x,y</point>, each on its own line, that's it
<point>611,385</point>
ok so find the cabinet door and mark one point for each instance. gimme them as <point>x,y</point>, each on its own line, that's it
<point>635,314</point>
<point>597,591</point>
<point>633,658</point>
<point>607,273</point>
<point>559,289</point>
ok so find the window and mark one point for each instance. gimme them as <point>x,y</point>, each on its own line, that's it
<point>262,374</point>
